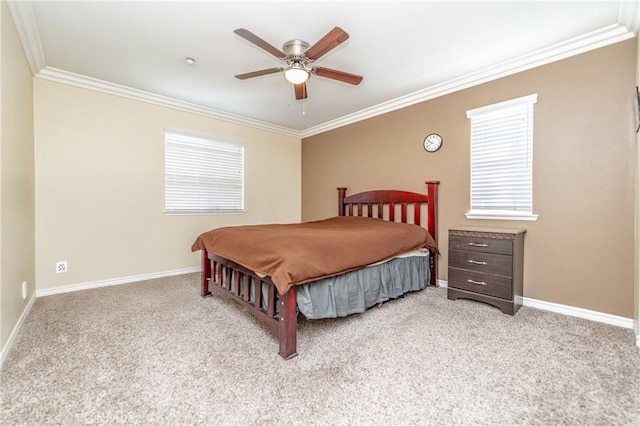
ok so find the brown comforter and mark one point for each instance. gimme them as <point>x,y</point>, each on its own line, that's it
<point>298,253</point>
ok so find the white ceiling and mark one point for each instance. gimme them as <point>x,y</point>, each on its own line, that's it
<point>406,51</point>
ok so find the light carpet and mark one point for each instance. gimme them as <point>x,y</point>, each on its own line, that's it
<point>155,352</point>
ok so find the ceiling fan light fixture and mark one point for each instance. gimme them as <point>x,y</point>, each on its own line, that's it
<point>299,59</point>
<point>296,74</point>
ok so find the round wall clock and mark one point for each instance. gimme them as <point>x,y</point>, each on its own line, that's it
<point>432,142</point>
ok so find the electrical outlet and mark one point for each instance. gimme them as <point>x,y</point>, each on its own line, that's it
<point>61,267</point>
<point>24,289</point>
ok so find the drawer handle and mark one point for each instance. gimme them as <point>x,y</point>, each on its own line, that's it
<point>475,262</point>
<point>478,245</point>
<point>477,282</point>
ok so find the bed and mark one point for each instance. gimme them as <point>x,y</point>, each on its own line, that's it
<point>284,271</point>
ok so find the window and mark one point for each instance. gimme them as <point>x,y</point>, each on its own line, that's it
<point>501,160</point>
<point>203,175</point>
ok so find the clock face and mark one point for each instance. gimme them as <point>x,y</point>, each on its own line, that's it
<point>432,142</point>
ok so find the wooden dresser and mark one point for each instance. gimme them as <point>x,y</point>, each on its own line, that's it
<point>485,264</point>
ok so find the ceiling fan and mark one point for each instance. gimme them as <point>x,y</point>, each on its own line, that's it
<point>299,57</point>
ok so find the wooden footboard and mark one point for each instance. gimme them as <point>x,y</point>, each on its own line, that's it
<point>257,294</point>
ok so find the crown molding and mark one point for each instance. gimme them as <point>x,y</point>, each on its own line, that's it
<point>627,27</point>
<point>629,15</point>
<point>24,19</point>
<point>82,81</point>
<point>26,24</point>
<point>605,36</point>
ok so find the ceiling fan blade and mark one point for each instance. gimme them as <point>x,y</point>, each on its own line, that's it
<point>300,90</point>
<point>337,75</point>
<point>258,73</point>
<point>332,39</point>
<point>251,37</point>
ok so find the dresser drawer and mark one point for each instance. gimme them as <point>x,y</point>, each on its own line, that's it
<point>477,282</point>
<point>481,244</point>
<point>490,263</point>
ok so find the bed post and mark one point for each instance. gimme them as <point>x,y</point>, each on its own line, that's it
<point>341,194</point>
<point>432,224</point>
<point>206,274</point>
<point>288,324</point>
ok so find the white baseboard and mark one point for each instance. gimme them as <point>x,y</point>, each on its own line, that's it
<point>16,329</point>
<point>573,311</point>
<point>533,303</point>
<point>114,281</point>
<point>84,286</point>
<point>579,312</point>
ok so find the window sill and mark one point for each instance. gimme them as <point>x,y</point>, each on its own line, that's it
<point>210,213</point>
<point>497,215</point>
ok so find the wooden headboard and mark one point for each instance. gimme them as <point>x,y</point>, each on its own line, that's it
<point>382,204</point>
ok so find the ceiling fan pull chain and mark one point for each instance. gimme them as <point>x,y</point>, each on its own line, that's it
<point>304,106</point>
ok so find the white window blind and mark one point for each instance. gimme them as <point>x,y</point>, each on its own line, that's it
<point>502,161</point>
<point>203,175</point>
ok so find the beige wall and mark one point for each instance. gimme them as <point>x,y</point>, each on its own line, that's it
<point>580,250</point>
<point>636,276</point>
<point>16,179</point>
<point>100,185</point>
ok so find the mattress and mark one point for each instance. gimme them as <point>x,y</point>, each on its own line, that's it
<point>297,253</point>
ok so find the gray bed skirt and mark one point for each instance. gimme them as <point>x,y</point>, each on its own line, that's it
<point>357,291</point>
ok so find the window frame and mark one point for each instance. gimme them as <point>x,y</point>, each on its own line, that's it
<point>221,144</point>
<point>492,110</point>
